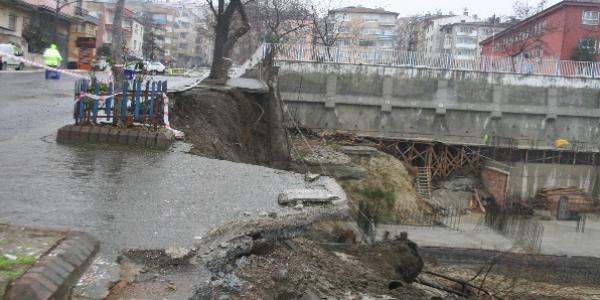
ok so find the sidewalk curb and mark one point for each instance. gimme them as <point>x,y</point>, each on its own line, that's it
<point>57,272</point>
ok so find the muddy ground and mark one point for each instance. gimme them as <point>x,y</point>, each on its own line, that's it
<point>224,124</point>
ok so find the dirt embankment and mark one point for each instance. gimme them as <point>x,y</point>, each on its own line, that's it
<point>224,124</point>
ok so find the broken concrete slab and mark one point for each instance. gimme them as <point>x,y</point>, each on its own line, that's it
<point>359,150</point>
<point>305,196</point>
<point>249,85</point>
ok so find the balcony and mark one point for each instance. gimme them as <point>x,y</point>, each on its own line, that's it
<point>469,33</point>
<point>466,46</point>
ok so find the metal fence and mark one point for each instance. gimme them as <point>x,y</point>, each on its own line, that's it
<point>142,102</point>
<point>347,54</point>
<point>525,232</point>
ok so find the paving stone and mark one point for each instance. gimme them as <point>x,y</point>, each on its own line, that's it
<point>28,289</point>
<point>40,278</point>
<point>49,274</point>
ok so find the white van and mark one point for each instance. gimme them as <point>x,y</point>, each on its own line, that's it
<point>7,63</point>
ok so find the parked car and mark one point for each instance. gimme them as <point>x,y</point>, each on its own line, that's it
<point>154,67</point>
<point>100,63</point>
<point>8,62</point>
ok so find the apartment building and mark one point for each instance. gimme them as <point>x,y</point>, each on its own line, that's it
<point>133,29</point>
<point>365,29</point>
<point>462,39</point>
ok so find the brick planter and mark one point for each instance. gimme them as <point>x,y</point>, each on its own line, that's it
<point>118,136</point>
<point>57,272</point>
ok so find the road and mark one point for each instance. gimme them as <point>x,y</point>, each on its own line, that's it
<point>128,198</point>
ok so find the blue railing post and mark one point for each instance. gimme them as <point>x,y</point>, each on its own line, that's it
<point>558,67</point>
<point>137,87</point>
<point>124,101</point>
<point>84,87</point>
<point>151,106</point>
<point>108,102</point>
<point>95,103</point>
<point>337,54</point>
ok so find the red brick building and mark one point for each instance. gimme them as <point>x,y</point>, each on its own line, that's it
<point>555,32</point>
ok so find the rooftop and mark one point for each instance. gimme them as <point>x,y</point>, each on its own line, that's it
<point>544,13</point>
<point>362,10</point>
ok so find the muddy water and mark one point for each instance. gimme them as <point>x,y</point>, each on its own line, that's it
<point>127,198</point>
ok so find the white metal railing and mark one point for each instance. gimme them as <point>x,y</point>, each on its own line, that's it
<point>347,54</point>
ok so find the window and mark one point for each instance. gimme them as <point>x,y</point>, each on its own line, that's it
<point>366,43</point>
<point>590,18</point>
<point>588,44</point>
<point>344,30</point>
<point>12,22</point>
<point>371,18</point>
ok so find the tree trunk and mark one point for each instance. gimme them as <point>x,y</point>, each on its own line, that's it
<point>225,39</point>
<point>117,57</point>
<point>219,67</point>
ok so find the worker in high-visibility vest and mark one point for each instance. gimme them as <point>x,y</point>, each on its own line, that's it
<point>52,58</point>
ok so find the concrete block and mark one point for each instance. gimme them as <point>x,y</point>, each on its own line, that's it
<point>57,267</point>
<point>551,116</point>
<point>386,106</point>
<point>151,138</point>
<point>27,289</point>
<point>50,274</point>
<point>103,133</point>
<point>74,133</point>
<point>330,103</point>
<point>113,136</point>
<point>497,94</point>
<point>62,135</point>
<point>496,114</point>
<point>132,136</point>
<point>84,134</point>
<point>94,134</point>
<point>440,110</point>
<point>123,137</point>
<point>388,87</point>
<point>163,140</point>
<point>142,137</point>
<point>331,84</point>
<point>45,282</point>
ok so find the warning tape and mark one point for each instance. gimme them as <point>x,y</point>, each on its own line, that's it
<point>178,134</point>
<point>35,64</point>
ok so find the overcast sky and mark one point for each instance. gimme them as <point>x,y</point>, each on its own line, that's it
<point>483,8</point>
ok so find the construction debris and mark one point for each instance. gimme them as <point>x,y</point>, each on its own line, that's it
<point>577,200</point>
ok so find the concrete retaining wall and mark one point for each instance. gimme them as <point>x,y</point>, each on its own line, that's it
<point>450,106</point>
<point>112,135</point>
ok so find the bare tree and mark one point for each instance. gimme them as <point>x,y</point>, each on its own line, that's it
<point>522,9</point>
<point>283,18</point>
<point>527,42</point>
<point>231,23</point>
<point>325,28</point>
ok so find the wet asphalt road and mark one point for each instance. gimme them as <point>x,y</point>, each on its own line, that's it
<point>127,198</point>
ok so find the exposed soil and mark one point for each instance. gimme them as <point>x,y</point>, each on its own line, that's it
<point>224,124</point>
<point>301,267</point>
